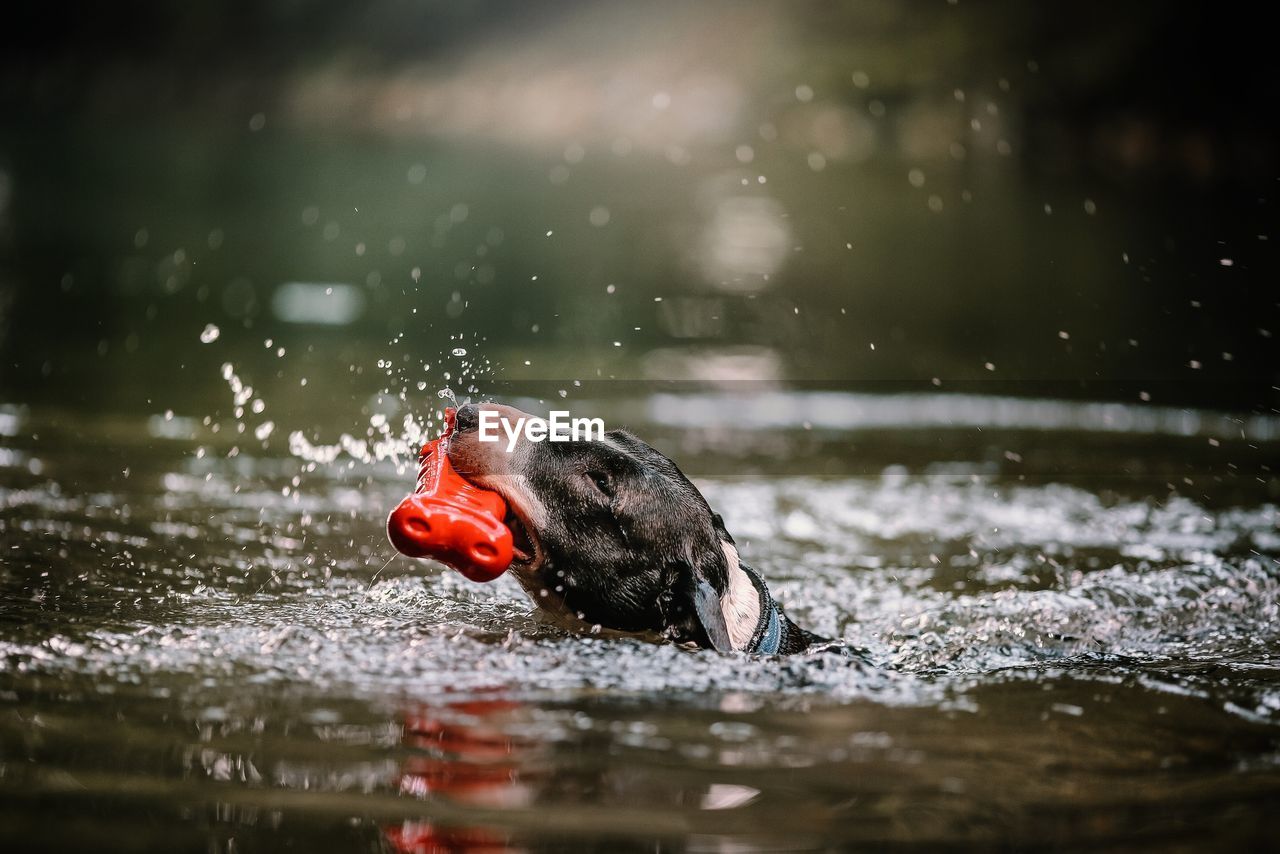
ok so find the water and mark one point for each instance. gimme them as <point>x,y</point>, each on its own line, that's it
<point>1069,614</point>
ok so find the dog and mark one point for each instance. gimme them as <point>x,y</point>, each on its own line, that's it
<point>610,535</point>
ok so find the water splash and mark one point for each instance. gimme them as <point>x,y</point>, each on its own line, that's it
<point>947,583</point>
<point>393,433</point>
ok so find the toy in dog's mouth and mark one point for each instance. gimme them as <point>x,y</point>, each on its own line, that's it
<point>457,522</point>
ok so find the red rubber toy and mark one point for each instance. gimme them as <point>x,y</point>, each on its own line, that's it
<point>450,519</point>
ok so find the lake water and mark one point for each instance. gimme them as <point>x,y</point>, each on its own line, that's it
<point>1069,612</point>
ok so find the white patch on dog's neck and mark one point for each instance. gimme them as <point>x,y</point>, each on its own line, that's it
<point>740,602</point>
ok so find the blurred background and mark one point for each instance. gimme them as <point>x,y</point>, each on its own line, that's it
<point>1037,199</point>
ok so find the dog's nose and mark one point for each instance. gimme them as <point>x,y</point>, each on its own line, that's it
<point>466,418</point>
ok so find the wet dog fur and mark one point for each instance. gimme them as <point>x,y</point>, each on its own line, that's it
<point>610,535</point>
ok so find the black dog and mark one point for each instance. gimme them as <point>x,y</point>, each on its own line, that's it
<point>611,535</point>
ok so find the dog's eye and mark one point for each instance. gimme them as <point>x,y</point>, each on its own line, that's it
<point>602,482</point>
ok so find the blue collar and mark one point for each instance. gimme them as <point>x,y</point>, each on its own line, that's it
<point>767,638</point>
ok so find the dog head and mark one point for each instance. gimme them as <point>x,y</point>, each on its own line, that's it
<point>610,533</point>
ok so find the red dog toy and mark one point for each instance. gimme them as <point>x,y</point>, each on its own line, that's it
<point>451,519</point>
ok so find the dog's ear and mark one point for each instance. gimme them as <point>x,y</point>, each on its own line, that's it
<point>710,616</point>
<point>694,606</point>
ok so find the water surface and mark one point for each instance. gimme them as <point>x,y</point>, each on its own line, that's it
<point>1069,616</point>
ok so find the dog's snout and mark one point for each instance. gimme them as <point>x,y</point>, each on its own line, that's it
<point>467,418</point>
<point>486,440</point>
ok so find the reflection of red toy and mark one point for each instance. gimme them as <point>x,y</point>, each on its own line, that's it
<point>472,762</point>
<point>450,519</point>
<point>462,753</point>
